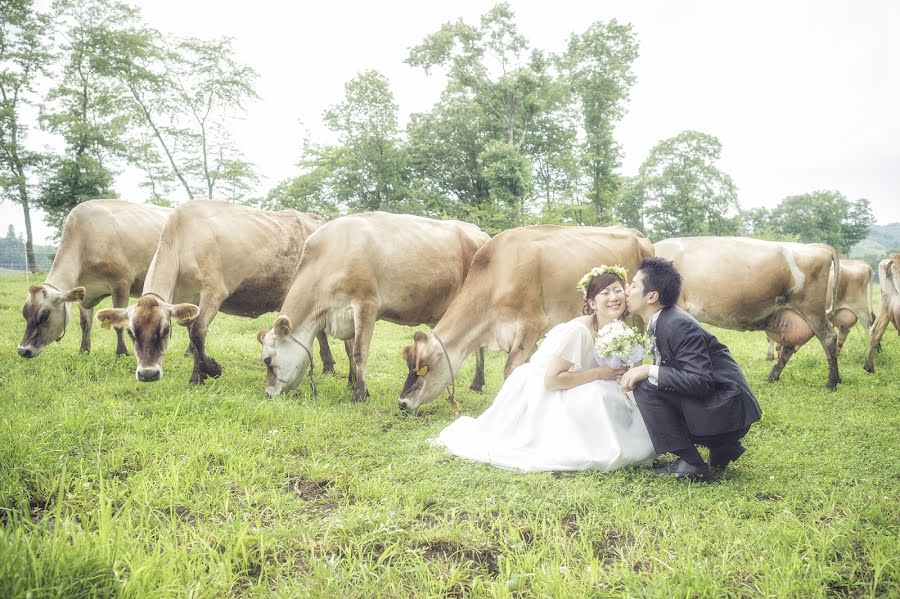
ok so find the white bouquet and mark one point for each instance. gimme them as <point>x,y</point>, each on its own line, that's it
<point>619,345</point>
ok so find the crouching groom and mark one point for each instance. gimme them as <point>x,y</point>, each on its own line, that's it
<point>694,393</point>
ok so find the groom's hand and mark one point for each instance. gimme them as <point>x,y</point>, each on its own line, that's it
<point>634,376</point>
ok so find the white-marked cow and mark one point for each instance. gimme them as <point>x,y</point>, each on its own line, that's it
<point>751,285</point>
<point>363,268</point>
<point>853,303</point>
<point>889,280</point>
<point>105,249</point>
<point>221,256</point>
<point>522,283</point>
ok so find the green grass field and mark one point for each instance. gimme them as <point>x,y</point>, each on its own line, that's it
<point>112,487</point>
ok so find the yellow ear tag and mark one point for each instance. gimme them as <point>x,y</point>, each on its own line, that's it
<point>422,371</point>
<point>453,405</point>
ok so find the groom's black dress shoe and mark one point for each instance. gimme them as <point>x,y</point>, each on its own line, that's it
<point>681,469</point>
<point>719,459</point>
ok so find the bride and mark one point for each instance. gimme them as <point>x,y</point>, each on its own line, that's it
<point>562,410</point>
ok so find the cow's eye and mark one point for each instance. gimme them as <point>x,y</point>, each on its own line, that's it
<point>166,330</point>
<point>43,317</point>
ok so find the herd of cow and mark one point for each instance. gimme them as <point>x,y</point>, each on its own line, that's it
<point>476,292</point>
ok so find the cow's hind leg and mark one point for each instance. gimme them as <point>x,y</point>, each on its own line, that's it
<point>364,316</point>
<point>86,316</point>
<point>120,300</point>
<point>771,353</point>
<point>478,379</point>
<point>783,356</point>
<point>351,378</point>
<point>877,332</point>
<point>325,353</point>
<point>204,365</point>
<point>825,333</point>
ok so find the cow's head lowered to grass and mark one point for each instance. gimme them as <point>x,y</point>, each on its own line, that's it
<point>285,356</point>
<point>149,325</point>
<point>46,313</point>
<point>429,371</point>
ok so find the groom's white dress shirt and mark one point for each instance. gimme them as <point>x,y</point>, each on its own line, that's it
<point>653,379</point>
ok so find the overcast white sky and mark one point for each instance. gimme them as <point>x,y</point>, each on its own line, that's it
<point>803,95</point>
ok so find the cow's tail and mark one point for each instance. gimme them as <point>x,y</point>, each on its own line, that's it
<point>869,296</point>
<point>836,264</point>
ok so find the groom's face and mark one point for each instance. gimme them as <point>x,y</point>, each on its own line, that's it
<point>635,298</point>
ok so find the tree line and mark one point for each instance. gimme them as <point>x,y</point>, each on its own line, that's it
<point>518,136</point>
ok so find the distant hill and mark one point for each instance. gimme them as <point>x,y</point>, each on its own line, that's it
<point>882,240</point>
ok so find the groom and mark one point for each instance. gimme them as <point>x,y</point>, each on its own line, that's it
<point>694,393</point>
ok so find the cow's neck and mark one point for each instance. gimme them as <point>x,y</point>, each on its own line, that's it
<point>66,270</point>
<point>462,332</point>
<point>162,276</point>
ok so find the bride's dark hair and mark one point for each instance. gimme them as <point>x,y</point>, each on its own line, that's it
<point>598,284</point>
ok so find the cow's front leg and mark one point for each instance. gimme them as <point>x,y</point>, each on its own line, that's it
<point>325,353</point>
<point>120,300</point>
<point>204,365</point>
<point>364,316</point>
<point>86,316</point>
<point>522,348</point>
<point>478,379</point>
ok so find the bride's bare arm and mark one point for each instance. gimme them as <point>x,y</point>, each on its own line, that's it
<point>558,376</point>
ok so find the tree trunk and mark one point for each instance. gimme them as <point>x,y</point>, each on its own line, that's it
<point>29,242</point>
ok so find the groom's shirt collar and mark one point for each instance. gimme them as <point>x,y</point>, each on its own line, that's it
<point>651,324</point>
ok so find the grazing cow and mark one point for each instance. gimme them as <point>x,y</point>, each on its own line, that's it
<point>362,268</point>
<point>105,249</point>
<point>751,285</point>
<point>853,303</point>
<point>523,282</point>
<point>221,256</point>
<point>889,280</point>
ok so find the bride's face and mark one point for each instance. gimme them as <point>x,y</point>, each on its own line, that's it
<point>609,302</point>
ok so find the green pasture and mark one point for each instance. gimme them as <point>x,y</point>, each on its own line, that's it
<point>110,487</point>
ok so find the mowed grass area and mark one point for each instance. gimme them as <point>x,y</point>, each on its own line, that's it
<point>112,487</point>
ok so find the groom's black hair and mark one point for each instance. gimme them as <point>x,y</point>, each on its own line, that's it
<point>661,276</point>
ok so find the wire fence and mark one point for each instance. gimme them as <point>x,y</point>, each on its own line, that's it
<point>14,260</point>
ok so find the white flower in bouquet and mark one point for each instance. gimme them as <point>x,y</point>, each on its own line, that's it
<point>617,344</point>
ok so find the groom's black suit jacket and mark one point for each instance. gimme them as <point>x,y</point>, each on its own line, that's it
<point>698,374</point>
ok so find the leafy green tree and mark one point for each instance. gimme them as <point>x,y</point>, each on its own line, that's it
<point>683,192</point>
<point>597,67</point>
<point>24,57</point>
<point>184,94</point>
<point>368,168</point>
<point>87,108</point>
<point>824,217</point>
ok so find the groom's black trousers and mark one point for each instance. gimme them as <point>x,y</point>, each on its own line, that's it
<point>669,431</point>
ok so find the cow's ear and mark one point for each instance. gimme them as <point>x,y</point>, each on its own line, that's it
<point>73,295</point>
<point>184,314</point>
<point>282,326</point>
<point>420,337</point>
<point>260,336</point>
<point>112,317</point>
<point>409,355</point>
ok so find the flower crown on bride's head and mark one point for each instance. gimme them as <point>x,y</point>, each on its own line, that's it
<point>615,269</point>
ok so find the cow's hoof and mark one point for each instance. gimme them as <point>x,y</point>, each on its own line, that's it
<point>773,379</point>
<point>477,387</point>
<point>212,369</point>
<point>870,368</point>
<point>359,397</point>
<point>197,379</point>
<point>118,353</point>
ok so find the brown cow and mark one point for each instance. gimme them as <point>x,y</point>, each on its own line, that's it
<point>522,283</point>
<point>221,256</point>
<point>853,302</point>
<point>358,269</point>
<point>889,280</point>
<point>93,262</point>
<point>751,285</point>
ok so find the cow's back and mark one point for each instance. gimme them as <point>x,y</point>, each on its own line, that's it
<point>109,241</point>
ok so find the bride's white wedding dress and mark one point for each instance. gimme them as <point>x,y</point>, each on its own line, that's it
<point>595,426</point>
